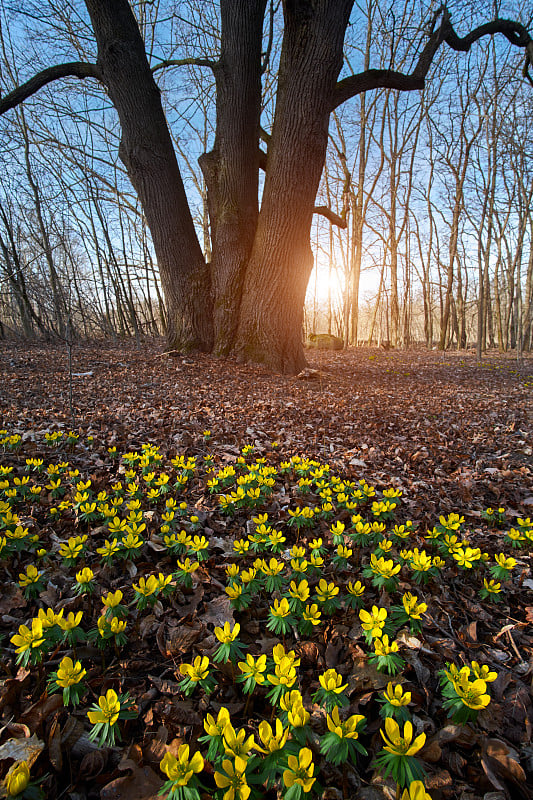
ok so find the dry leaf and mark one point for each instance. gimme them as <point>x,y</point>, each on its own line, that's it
<point>22,749</point>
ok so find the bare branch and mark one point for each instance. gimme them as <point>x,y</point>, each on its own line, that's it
<point>74,69</point>
<point>374,79</point>
<point>266,55</point>
<point>326,212</point>
<point>183,62</point>
<point>514,32</point>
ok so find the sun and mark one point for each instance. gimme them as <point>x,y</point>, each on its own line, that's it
<point>323,282</point>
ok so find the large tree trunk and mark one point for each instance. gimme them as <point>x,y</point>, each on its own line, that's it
<point>231,169</point>
<point>147,152</point>
<point>270,327</point>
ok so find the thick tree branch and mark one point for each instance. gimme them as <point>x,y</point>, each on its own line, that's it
<point>183,62</point>
<point>74,69</point>
<point>373,79</point>
<point>326,212</point>
<point>262,160</point>
<point>514,32</point>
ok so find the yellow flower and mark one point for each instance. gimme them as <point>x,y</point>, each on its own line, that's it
<point>132,542</point>
<point>299,591</point>
<point>187,566</point>
<point>466,556</point>
<point>292,703</point>
<point>505,562</point>
<point>180,770</point>
<point>326,591</point>
<point>225,635</point>
<point>280,608</point>
<point>272,741</point>
<point>116,625</point>
<point>412,607</point>
<point>483,672</point>
<point>298,716</point>
<point>233,592</point>
<point>384,567</point>
<point>109,709</point>
<point>274,567</point>
<point>373,621</point>
<point>383,648</point>
<point>71,621</point>
<point>163,580</point>
<point>491,586</point>
<point>356,588</point>
<point>420,561</point>
<point>278,653</point>
<point>112,599</point>
<point>198,670</point>
<point>312,614</point>
<point>337,529</point>
<point>216,727</point>
<point>17,779</point>
<point>254,668</point>
<point>31,575</point>
<point>400,745</point>
<point>233,779</point>
<point>248,575</point>
<point>71,549</point>
<point>344,730</point>
<point>26,638</point>
<point>117,525</point>
<point>84,576</point>
<point>146,587</point>
<point>284,673</point>
<point>396,696</point>
<point>416,791</point>
<point>49,618</point>
<point>68,673</point>
<point>300,770</point>
<point>472,694</point>
<point>331,681</point>
<point>109,548</point>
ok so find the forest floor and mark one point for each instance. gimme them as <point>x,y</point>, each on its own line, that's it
<point>451,435</point>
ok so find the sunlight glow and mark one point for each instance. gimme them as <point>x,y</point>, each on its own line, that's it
<point>321,282</point>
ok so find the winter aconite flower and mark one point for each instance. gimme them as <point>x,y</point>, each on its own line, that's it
<point>252,672</point>
<point>108,709</point>
<point>300,770</point>
<point>233,779</point>
<point>398,755</point>
<point>394,703</point>
<point>28,642</point>
<point>416,791</point>
<point>104,716</point>
<point>340,743</point>
<point>180,770</point>
<point>194,674</point>
<point>373,621</point>
<point>17,779</point>
<point>69,678</point>
<point>331,690</point>
<point>465,691</point>
<point>69,673</point>
<point>230,649</point>
<point>401,745</point>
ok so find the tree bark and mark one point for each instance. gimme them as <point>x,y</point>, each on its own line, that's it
<point>270,327</point>
<point>148,155</point>
<point>231,169</point>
